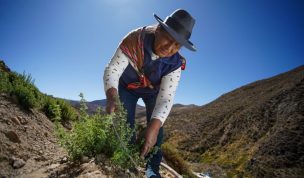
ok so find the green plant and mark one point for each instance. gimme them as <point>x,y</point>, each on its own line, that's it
<point>101,133</point>
<point>51,108</point>
<point>25,90</point>
<point>176,161</point>
<point>5,85</point>
<point>67,111</point>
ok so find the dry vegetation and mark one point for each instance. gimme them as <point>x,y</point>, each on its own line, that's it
<point>253,131</point>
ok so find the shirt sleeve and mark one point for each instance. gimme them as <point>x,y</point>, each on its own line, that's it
<point>164,100</point>
<point>114,70</point>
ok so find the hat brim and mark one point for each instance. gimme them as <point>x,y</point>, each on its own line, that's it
<point>184,42</point>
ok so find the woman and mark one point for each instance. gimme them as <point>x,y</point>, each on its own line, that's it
<point>147,65</point>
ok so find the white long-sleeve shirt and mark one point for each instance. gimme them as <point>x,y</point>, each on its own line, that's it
<point>168,85</point>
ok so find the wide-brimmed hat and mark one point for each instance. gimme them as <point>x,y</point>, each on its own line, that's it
<point>179,25</point>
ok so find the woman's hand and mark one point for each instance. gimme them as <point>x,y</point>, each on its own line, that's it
<point>111,100</point>
<point>150,136</point>
<point>111,106</point>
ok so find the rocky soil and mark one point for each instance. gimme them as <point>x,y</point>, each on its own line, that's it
<point>27,141</point>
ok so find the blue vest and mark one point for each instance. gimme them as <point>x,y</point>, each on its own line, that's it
<point>154,70</point>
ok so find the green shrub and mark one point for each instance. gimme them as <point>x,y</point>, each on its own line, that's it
<point>23,87</point>
<point>5,85</point>
<point>101,133</point>
<point>51,109</point>
<point>25,97</point>
<point>58,109</point>
<point>67,111</point>
<point>176,161</point>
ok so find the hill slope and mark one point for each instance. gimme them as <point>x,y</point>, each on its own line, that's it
<point>256,130</point>
<point>27,140</point>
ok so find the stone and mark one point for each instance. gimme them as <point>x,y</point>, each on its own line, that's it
<point>84,159</point>
<point>40,152</point>
<point>64,160</point>
<point>132,175</point>
<point>22,120</point>
<point>25,128</point>
<point>12,136</point>
<point>94,174</point>
<point>63,176</point>
<point>15,120</point>
<point>122,174</point>
<point>52,167</point>
<point>8,122</point>
<point>100,158</point>
<point>108,168</point>
<point>67,125</point>
<point>18,163</point>
<point>40,158</point>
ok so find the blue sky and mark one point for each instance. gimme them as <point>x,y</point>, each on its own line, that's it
<point>65,44</point>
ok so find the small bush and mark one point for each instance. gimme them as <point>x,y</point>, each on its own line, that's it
<point>25,97</point>
<point>176,161</point>
<point>5,84</point>
<point>51,108</point>
<point>23,87</point>
<point>67,111</point>
<point>101,133</point>
<point>59,109</point>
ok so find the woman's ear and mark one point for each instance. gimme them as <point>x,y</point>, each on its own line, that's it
<point>158,32</point>
<point>158,29</point>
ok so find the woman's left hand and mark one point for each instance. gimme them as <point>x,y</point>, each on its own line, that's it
<point>150,136</point>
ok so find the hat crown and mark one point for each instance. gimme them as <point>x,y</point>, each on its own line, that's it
<point>181,21</point>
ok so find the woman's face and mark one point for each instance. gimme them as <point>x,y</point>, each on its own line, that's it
<point>164,44</point>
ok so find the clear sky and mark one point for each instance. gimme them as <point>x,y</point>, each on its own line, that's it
<point>65,44</point>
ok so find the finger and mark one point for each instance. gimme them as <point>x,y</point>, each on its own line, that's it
<point>110,108</point>
<point>115,109</point>
<point>144,151</point>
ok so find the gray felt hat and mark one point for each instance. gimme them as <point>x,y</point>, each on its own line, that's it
<point>179,25</point>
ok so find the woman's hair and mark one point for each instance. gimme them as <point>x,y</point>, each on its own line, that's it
<point>152,28</point>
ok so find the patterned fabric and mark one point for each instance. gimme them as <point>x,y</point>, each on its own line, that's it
<point>133,46</point>
<point>153,70</point>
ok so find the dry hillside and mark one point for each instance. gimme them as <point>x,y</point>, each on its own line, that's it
<point>254,131</point>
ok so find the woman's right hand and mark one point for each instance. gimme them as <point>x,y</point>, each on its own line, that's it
<point>111,100</point>
<point>111,106</point>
